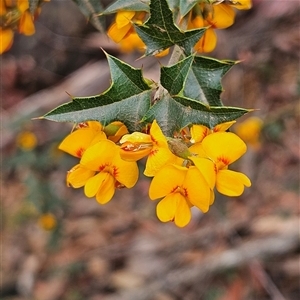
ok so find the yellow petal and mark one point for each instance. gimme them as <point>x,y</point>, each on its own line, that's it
<point>6,39</point>
<point>242,4</point>
<point>94,183</point>
<point>132,42</point>
<point>198,149</point>
<point>26,25</point>
<point>100,155</point>
<point>231,183</point>
<point>224,146</point>
<point>136,137</point>
<point>106,191</point>
<point>174,208</point>
<point>123,18</point>
<point>196,189</point>
<point>134,152</point>
<point>23,5</point>
<point>207,169</point>
<point>223,126</point>
<point>157,135</point>
<point>223,16</point>
<point>78,176</point>
<point>157,159</point>
<point>118,34</point>
<point>198,133</point>
<point>78,141</point>
<point>208,41</point>
<point>163,53</point>
<point>125,172</point>
<point>166,181</point>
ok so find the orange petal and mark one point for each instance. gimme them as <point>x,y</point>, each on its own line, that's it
<point>208,41</point>
<point>123,18</point>
<point>26,25</point>
<point>222,17</point>
<point>6,39</point>
<point>198,133</point>
<point>118,34</point>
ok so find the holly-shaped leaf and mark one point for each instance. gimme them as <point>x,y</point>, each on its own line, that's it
<point>173,77</point>
<point>174,111</point>
<point>126,100</point>
<point>204,80</point>
<point>160,32</point>
<point>92,10</point>
<point>186,5</point>
<point>134,5</point>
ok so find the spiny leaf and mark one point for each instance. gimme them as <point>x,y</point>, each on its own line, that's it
<point>173,77</point>
<point>134,5</point>
<point>204,80</point>
<point>186,6</point>
<point>126,100</point>
<point>174,113</point>
<point>92,10</point>
<point>160,32</point>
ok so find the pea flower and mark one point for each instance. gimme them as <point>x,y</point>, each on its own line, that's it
<point>224,148</point>
<point>79,140</point>
<point>213,16</point>
<point>154,145</point>
<point>101,171</point>
<point>181,188</point>
<point>199,132</point>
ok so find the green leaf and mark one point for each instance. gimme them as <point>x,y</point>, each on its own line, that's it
<point>126,100</point>
<point>174,113</point>
<point>160,32</point>
<point>204,80</point>
<point>186,6</point>
<point>173,77</point>
<point>134,5</point>
<point>92,10</point>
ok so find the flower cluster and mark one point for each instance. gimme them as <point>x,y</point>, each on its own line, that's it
<point>185,169</point>
<point>210,14</point>
<point>16,16</point>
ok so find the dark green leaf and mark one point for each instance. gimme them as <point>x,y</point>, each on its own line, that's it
<point>160,32</point>
<point>126,100</point>
<point>204,80</point>
<point>175,113</point>
<point>134,5</point>
<point>92,10</point>
<point>173,77</point>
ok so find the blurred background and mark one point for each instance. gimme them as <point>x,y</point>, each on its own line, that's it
<point>56,244</point>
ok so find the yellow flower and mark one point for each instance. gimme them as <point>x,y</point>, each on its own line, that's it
<point>137,145</point>
<point>122,30</point>
<point>213,16</point>
<point>224,148</point>
<point>199,132</point>
<point>26,140</point>
<point>79,140</point>
<point>110,171</point>
<point>47,221</point>
<point>249,131</point>
<point>181,188</point>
